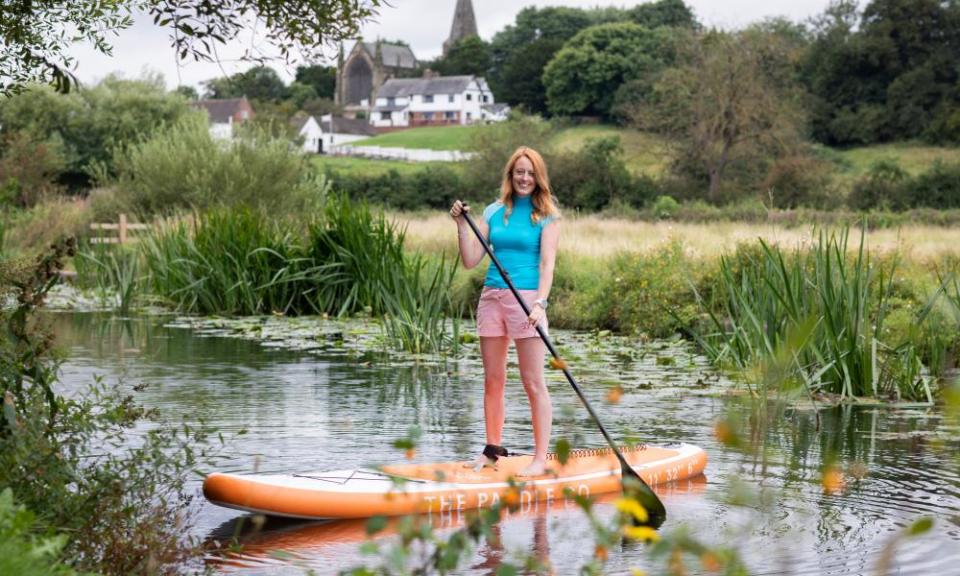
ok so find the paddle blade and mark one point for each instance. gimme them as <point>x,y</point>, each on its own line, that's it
<point>634,487</point>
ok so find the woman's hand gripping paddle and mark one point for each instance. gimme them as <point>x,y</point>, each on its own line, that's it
<point>633,485</point>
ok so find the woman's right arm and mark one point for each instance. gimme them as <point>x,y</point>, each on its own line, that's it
<point>471,251</point>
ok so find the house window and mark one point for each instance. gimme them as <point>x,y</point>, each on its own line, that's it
<point>428,115</point>
<point>451,98</point>
<point>469,116</point>
<point>449,115</point>
<point>486,98</point>
<point>469,97</point>
<point>391,101</point>
<point>385,115</point>
<point>428,98</point>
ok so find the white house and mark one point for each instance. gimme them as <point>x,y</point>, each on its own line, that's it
<point>429,101</point>
<point>494,112</point>
<point>336,130</point>
<point>308,128</point>
<point>225,114</point>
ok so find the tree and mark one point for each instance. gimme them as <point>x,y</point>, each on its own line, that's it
<point>887,73</point>
<point>585,74</point>
<point>468,56</point>
<point>522,75</point>
<point>323,79</point>
<point>87,126</point>
<point>720,107</point>
<point>260,83</point>
<point>531,25</point>
<point>673,13</point>
<point>188,92</point>
<point>35,35</point>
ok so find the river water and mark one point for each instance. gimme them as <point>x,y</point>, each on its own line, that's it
<point>338,406</point>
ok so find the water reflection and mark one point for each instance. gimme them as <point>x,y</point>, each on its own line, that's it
<point>249,541</point>
<point>329,409</point>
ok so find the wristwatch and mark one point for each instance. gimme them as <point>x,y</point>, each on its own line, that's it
<point>542,302</point>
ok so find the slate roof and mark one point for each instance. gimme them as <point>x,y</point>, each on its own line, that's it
<point>395,108</point>
<point>405,87</point>
<point>496,108</point>
<point>394,55</point>
<point>349,126</point>
<point>220,111</point>
<point>298,122</point>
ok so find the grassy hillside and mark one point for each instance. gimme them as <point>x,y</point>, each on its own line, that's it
<point>430,138</point>
<point>643,152</point>
<point>351,165</point>
<point>912,157</point>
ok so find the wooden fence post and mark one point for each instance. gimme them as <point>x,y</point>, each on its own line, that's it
<point>122,232</point>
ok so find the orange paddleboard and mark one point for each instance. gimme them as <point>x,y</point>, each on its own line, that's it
<point>444,487</point>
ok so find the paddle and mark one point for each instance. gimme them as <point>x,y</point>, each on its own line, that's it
<point>633,484</point>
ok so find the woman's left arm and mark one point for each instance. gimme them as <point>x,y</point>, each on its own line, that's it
<point>549,240</point>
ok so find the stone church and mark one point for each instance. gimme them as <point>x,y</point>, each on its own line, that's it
<point>369,64</point>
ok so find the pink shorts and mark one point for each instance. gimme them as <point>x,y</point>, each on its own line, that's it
<point>499,314</point>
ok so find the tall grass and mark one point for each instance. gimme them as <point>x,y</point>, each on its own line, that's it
<point>418,304</point>
<point>831,305</point>
<point>112,271</point>
<point>348,260</point>
<point>233,262</point>
<point>364,249</point>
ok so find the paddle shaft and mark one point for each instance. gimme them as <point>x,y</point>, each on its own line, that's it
<point>627,469</point>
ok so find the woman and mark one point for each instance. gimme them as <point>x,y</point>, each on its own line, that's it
<point>524,230</point>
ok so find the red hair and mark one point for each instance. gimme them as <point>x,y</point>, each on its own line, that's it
<point>543,203</point>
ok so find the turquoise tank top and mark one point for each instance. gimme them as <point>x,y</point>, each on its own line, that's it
<point>516,244</point>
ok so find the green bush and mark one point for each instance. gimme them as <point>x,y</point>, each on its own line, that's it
<point>183,167</point>
<point>592,177</point>
<point>121,505</point>
<point>630,293</point>
<point>799,180</point>
<point>664,208</point>
<point>938,187</point>
<point>21,551</point>
<point>880,188</point>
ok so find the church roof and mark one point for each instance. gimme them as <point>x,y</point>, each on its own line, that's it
<point>464,24</point>
<point>404,87</point>
<point>393,55</point>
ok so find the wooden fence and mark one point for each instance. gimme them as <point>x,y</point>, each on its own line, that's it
<point>123,229</point>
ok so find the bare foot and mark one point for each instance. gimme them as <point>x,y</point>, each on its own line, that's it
<point>479,463</point>
<point>534,468</point>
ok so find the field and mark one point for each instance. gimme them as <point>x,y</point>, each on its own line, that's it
<point>595,237</point>
<point>647,153</point>
<point>430,138</point>
<point>914,158</point>
<point>351,165</point>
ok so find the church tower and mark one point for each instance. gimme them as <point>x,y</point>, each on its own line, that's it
<point>464,25</point>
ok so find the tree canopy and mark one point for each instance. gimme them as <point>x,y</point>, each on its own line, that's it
<point>585,74</point>
<point>35,35</point>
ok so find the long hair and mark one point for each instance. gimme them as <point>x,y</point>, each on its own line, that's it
<point>543,203</point>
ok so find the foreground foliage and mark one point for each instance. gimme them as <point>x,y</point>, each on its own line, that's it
<point>121,506</point>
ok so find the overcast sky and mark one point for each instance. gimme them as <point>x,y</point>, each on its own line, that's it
<point>424,24</point>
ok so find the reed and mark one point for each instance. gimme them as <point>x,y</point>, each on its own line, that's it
<point>417,306</point>
<point>113,272</point>
<point>364,253</point>
<point>835,299</point>
<point>233,262</point>
<point>350,260</point>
